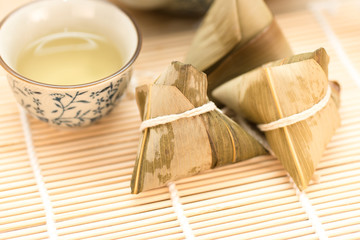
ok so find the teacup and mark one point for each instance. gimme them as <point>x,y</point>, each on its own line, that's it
<point>68,105</point>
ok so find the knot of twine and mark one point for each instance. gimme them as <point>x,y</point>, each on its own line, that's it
<point>210,106</point>
<point>283,122</point>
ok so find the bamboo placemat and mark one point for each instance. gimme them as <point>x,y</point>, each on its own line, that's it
<point>75,184</point>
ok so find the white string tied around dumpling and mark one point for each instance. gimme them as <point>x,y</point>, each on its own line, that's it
<point>208,107</point>
<point>283,122</point>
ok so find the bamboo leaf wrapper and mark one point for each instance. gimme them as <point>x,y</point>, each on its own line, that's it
<point>187,146</point>
<point>281,89</point>
<point>235,37</point>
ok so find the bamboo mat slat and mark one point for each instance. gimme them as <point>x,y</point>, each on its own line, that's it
<point>87,172</point>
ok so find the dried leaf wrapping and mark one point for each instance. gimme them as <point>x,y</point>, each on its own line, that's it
<point>235,37</point>
<point>281,89</point>
<point>190,145</point>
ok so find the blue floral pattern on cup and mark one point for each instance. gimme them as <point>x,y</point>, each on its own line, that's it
<point>73,108</point>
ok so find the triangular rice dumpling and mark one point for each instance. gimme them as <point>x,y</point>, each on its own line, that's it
<point>281,89</point>
<point>186,146</point>
<point>235,37</point>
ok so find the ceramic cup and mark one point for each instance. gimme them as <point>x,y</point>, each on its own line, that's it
<point>77,105</point>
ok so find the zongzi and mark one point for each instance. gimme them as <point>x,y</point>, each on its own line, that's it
<point>235,37</point>
<point>184,147</point>
<point>295,96</point>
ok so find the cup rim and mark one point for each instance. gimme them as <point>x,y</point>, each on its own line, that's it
<point>123,69</point>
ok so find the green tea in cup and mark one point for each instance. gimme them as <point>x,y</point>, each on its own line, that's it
<point>68,62</point>
<point>69,58</point>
